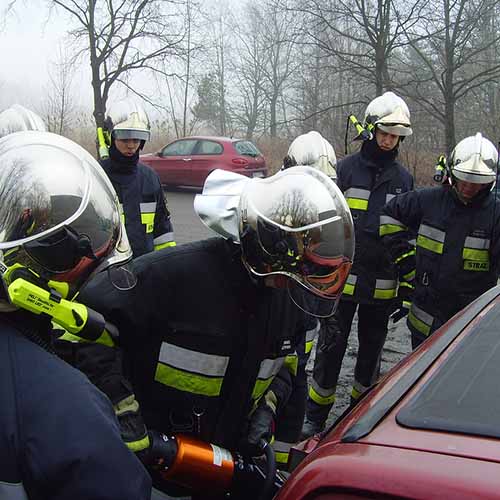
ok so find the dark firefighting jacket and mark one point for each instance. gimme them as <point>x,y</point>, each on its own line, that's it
<point>59,439</point>
<point>202,341</point>
<point>457,250</point>
<point>367,187</point>
<point>144,208</point>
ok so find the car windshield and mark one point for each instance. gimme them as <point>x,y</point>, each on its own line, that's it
<point>246,148</point>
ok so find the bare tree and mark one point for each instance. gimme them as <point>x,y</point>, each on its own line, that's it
<point>249,72</point>
<point>279,31</point>
<point>59,104</point>
<point>122,36</point>
<point>372,27</point>
<point>450,58</point>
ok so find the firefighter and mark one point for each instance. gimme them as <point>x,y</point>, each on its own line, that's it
<point>314,150</point>
<point>139,190</point>
<point>209,331</point>
<point>18,118</point>
<point>458,229</point>
<point>60,223</point>
<point>368,179</point>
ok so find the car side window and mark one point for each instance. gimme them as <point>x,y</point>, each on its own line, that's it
<point>179,148</point>
<point>209,148</point>
<point>246,148</point>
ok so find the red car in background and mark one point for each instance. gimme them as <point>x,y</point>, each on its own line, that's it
<point>429,429</point>
<point>188,161</point>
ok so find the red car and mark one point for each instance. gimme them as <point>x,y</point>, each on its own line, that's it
<point>429,429</point>
<point>188,161</point>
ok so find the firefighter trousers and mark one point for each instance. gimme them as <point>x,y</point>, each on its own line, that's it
<point>331,348</point>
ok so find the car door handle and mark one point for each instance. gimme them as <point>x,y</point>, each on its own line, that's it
<point>186,159</point>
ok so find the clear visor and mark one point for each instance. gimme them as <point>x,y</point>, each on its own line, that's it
<point>124,134</point>
<point>310,256</point>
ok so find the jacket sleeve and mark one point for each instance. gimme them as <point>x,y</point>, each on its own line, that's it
<point>72,444</point>
<point>399,221</point>
<point>163,231</point>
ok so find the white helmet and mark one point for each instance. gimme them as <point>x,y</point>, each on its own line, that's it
<point>59,215</point>
<point>474,159</point>
<point>18,118</point>
<point>314,150</point>
<point>128,120</point>
<point>390,114</point>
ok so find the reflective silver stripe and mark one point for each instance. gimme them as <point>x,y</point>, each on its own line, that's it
<point>163,238</point>
<point>385,219</point>
<point>311,334</point>
<point>148,207</point>
<point>12,491</point>
<point>389,197</point>
<point>270,367</point>
<point>281,446</point>
<point>477,243</point>
<point>386,284</point>
<point>361,194</point>
<point>421,315</point>
<point>193,361</point>
<point>351,279</point>
<point>324,393</point>
<point>432,232</point>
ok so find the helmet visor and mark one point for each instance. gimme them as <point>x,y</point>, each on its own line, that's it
<point>395,129</point>
<point>124,134</point>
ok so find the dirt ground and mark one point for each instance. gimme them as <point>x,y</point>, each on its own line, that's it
<point>396,347</point>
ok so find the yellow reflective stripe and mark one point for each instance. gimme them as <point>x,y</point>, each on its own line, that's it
<point>281,457</point>
<point>309,346</point>
<point>260,387</point>
<point>410,276</point>
<point>407,254</point>
<point>165,245</point>
<point>148,219</point>
<point>321,400</point>
<point>433,246</point>
<point>355,394</point>
<point>350,284</point>
<point>390,229</point>
<point>418,324</point>
<point>292,363</point>
<point>384,294</point>
<point>139,445</point>
<point>188,382</point>
<point>477,255</point>
<point>385,289</point>
<point>357,204</point>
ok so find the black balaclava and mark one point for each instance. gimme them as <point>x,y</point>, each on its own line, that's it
<point>371,150</point>
<point>120,163</point>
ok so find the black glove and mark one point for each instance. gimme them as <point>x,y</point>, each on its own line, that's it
<point>161,452</point>
<point>261,426</point>
<point>404,299</point>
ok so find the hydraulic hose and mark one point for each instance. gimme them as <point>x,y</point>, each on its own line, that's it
<point>267,487</point>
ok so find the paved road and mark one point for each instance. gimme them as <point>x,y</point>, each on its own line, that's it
<point>188,227</point>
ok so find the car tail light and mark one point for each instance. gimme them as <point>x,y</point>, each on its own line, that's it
<point>241,162</point>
